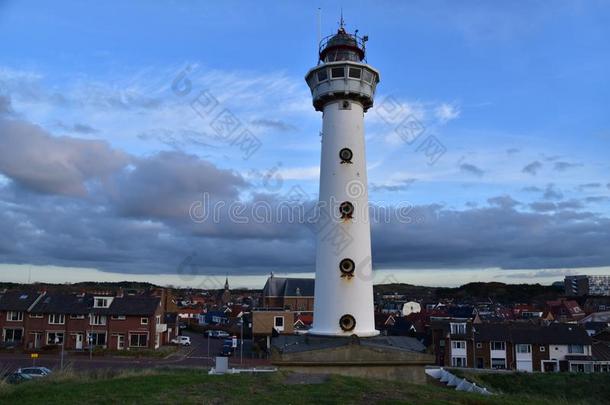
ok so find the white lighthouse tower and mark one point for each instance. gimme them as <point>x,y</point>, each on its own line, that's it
<point>343,87</point>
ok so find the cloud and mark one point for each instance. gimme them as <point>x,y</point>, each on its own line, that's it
<point>57,165</point>
<point>512,151</point>
<point>563,166</point>
<point>78,128</point>
<point>532,168</point>
<point>446,112</point>
<point>503,201</point>
<point>543,206</point>
<point>551,192</point>
<point>585,186</point>
<point>277,125</point>
<point>401,185</point>
<point>532,189</point>
<point>597,199</point>
<point>471,169</point>
<point>5,105</point>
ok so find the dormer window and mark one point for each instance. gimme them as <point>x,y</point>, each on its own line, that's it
<point>102,302</point>
<point>458,328</point>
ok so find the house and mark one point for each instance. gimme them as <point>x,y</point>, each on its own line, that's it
<point>515,346</point>
<point>14,307</point>
<point>411,307</point>
<point>295,294</point>
<point>214,318</point>
<point>269,323</point>
<point>564,310</point>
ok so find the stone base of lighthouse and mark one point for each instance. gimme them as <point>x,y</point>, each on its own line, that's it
<point>380,357</point>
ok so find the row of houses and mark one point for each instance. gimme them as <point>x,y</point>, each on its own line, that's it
<point>518,346</point>
<point>78,321</point>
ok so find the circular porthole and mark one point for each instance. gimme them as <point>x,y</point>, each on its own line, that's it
<point>347,267</point>
<point>346,209</point>
<point>346,155</point>
<point>347,323</point>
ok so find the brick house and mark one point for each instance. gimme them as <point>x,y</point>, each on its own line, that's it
<point>14,307</point>
<point>515,346</point>
<point>82,321</point>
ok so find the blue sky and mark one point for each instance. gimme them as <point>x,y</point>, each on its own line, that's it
<point>517,94</point>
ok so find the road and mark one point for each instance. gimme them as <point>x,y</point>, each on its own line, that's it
<point>195,355</point>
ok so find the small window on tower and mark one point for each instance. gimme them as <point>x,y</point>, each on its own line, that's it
<point>337,72</point>
<point>368,76</point>
<point>322,75</point>
<point>355,73</point>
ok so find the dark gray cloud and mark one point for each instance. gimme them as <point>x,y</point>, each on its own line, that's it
<point>532,168</point>
<point>58,165</point>
<point>133,215</point>
<point>551,192</point>
<point>543,206</point>
<point>78,128</point>
<point>277,125</point>
<point>503,201</point>
<point>471,169</point>
<point>563,166</point>
<point>585,186</point>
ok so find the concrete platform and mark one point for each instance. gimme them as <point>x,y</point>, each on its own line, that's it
<point>397,358</point>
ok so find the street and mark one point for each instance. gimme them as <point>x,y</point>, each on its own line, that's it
<point>195,355</point>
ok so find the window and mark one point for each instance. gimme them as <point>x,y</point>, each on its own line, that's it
<point>368,76</point>
<point>458,328</point>
<point>77,316</point>
<point>479,345</point>
<point>101,302</point>
<point>355,73</point>
<point>118,317</point>
<point>498,346</point>
<point>458,344</point>
<point>144,321</point>
<point>337,72</point>
<point>458,361</point>
<point>55,338</point>
<point>521,348</point>
<point>158,319</point>
<point>498,363</point>
<point>97,319</point>
<point>322,75</point>
<point>36,316</point>
<point>57,319</point>
<point>279,322</point>
<point>13,335</point>
<point>576,349</point>
<point>14,316</point>
<point>542,348</point>
<point>138,340</point>
<point>97,338</point>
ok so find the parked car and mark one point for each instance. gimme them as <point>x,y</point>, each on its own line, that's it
<point>16,378</point>
<point>35,372</point>
<point>182,340</point>
<point>218,334</point>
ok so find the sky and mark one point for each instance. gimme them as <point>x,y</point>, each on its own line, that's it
<point>113,165</point>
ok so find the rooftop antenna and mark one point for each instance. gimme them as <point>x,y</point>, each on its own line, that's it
<point>319,25</point>
<point>342,22</point>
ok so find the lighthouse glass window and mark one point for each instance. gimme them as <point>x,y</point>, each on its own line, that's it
<point>337,72</point>
<point>354,73</point>
<point>322,75</point>
<point>368,76</point>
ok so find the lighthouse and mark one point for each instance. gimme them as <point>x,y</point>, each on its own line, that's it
<point>342,87</point>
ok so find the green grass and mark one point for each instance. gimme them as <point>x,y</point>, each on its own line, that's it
<point>161,386</point>
<point>569,387</point>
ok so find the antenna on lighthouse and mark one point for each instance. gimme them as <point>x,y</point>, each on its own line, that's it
<point>319,25</point>
<point>342,22</point>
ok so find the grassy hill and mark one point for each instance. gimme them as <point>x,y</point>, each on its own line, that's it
<point>196,387</point>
